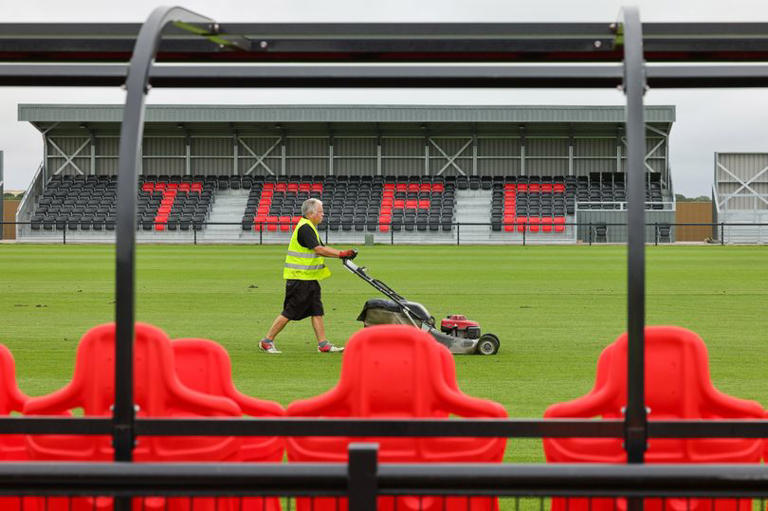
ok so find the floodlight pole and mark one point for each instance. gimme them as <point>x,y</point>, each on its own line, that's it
<point>131,132</point>
<point>636,420</point>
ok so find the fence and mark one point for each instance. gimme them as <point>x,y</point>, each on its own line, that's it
<point>364,479</point>
<point>464,233</point>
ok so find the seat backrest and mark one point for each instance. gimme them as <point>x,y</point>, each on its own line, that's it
<point>677,386</point>
<point>156,385</point>
<point>157,393</point>
<point>11,400</point>
<point>677,380</point>
<point>392,371</point>
<point>203,365</point>
<point>397,371</point>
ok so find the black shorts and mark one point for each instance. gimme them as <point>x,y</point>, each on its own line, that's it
<point>302,299</point>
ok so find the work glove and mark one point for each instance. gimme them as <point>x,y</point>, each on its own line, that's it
<point>348,254</point>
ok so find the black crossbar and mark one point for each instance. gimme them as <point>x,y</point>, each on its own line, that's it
<point>389,42</point>
<point>289,426</point>
<point>168,479</point>
<point>488,76</point>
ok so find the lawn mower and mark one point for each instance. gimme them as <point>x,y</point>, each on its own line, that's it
<point>457,333</point>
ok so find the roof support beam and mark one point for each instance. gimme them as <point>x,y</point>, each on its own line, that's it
<point>399,76</point>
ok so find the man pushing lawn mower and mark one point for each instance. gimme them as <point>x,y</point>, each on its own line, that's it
<point>304,268</point>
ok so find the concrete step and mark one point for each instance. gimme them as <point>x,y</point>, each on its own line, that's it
<point>228,208</point>
<point>473,206</point>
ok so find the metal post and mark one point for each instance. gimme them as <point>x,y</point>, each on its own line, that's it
<point>261,234</point>
<point>589,234</point>
<point>525,229</point>
<point>635,421</point>
<point>722,233</point>
<point>326,233</point>
<point>131,133</point>
<point>64,234</point>
<point>458,234</point>
<point>391,235</point>
<point>194,232</point>
<point>361,475</point>
<point>656,234</point>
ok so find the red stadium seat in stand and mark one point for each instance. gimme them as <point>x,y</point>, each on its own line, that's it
<point>522,223</point>
<point>204,365</point>
<point>509,223</point>
<point>397,371</point>
<point>677,386</point>
<point>158,392</point>
<point>258,222</point>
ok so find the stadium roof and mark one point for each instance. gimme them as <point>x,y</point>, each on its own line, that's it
<point>343,113</point>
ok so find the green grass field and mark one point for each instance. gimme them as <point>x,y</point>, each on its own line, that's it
<point>554,308</point>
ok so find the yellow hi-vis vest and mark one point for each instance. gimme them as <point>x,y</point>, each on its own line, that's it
<point>302,263</point>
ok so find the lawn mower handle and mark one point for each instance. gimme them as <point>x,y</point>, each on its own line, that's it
<point>350,265</point>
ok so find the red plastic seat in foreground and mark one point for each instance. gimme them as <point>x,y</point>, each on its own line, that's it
<point>12,447</point>
<point>204,365</point>
<point>677,386</point>
<point>157,393</point>
<point>397,371</point>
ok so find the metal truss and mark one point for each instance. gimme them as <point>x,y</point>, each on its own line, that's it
<point>650,152</point>
<point>744,186</point>
<point>260,158</point>
<point>451,160</point>
<point>68,158</point>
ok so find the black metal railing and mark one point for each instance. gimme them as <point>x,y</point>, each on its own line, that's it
<point>364,479</point>
<point>512,233</point>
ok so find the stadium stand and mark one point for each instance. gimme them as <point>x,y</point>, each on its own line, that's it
<point>384,374</point>
<point>88,203</point>
<point>541,206</point>
<point>76,202</point>
<point>677,386</point>
<point>166,202</point>
<point>401,174</point>
<point>359,203</point>
<point>528,202</point>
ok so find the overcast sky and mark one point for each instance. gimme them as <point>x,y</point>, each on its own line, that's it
<point>708,121</point>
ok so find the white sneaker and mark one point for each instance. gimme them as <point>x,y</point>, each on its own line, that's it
<point>268,347</point>
<point>327,347</point>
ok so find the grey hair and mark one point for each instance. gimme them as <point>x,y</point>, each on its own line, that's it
<point>309,206</point>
